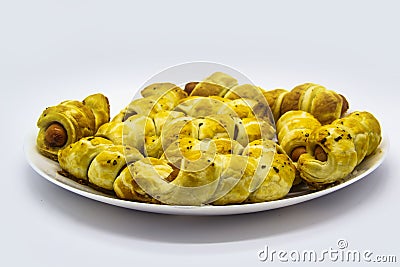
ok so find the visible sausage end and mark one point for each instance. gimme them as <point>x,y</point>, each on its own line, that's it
<point>189,87</point>
<point>56,135</point>
<point>172,176</point>
<point>345,104</point>
<point>320,154</point>
<point>297,152</point>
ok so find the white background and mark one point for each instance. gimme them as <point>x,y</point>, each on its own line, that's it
<point>56,50</point>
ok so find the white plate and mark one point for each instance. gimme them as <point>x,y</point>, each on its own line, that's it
<point>49,170</point>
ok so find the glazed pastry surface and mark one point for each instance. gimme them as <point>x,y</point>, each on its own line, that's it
<point>344,144</point>
<point>70,121</point>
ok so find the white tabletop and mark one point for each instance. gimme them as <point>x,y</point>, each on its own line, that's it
<point>56,50</point>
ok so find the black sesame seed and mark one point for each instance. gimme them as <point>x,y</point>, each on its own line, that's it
<point>307,135</point>
<point>338,138</point>
<point>323,140</point>
<point>109,161</point>
<point>276,169</point>
<point>115,162</point>
<point>263,167</point>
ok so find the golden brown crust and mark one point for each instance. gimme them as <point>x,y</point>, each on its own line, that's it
<point>327,106</point>
<point>274,99</point>
<point>75,119</point>
<point>189,87</point>
<point>334,150</point>
<point>291,100</point>
<point>324,104</point>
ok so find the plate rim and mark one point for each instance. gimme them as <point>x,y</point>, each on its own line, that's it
<point>32,155</point>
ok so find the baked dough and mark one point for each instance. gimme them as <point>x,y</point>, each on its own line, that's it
<point>194,172</point>
<point>274,99</point>
<point>97,160</point>
<point>346,142</point>
<point>78,119</point>
<point>325,105</point>
<point>275,171</point>
<point>76,158</point>
<point>158,97</point>
<point>217,84</point>
<point>293,128</point>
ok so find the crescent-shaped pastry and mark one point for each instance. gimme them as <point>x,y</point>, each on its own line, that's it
<point>135,131</point>
<point>76,158</point>
<point>194,184</point>
<point>199,106</point>
<point>154,102</point>
<point>178,128</point>
<point>217,84</point>
<point>165,117</point>
<point>274,174</point>
<point>126,188</point>
<point>112,131</point>
<point>251,129</point>
<point>235,179</point>
<point>216,126</point>
<point>69,121</point>
<point>242,108</point>
<point>374,129</point>
<point>157,89</point>
<point>247,91</point>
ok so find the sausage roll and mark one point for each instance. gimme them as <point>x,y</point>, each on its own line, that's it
<point>217,84</point>
<point>97,160</point>
<point>294,128</point>
<point>334,150</point>
<point>325,105</point>
<point>69,121</point>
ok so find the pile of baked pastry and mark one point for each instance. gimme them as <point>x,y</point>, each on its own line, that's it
<point>212,142</point>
